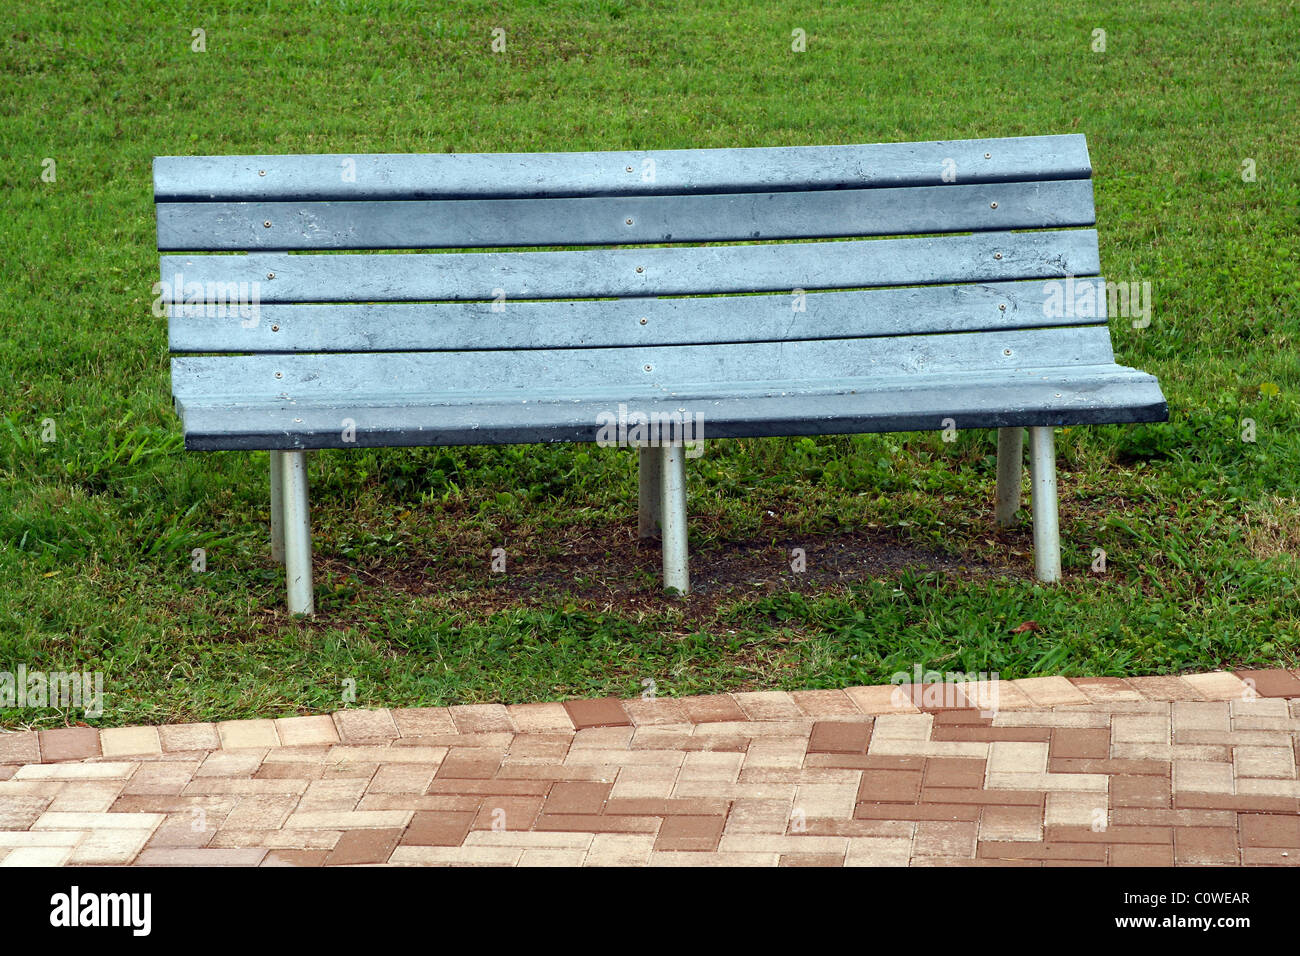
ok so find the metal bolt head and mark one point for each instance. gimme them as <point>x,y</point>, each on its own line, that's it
<point>275,328</point>
<point>270,275</point>
<point>640,269</point>
<point>1006,351</point>
<point>643,321</point>
<point>988,155</point>
<point>997,255</point>
<point>649,368</point>
<point>629,222</point>
<point>993,205</point>
<point>279,375</point>
<point>261,172</point>
<point>1002,307</point>
<point>267,224</point>
<point>629,169</point>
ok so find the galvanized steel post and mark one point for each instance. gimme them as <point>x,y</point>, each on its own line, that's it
<point>649,505</point>
<point>672,459</point>
<point>1042,478</point>
<point>1011,459</point>
<point>297,534</point>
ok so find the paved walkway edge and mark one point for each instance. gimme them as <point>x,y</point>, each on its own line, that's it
<point>362,726</point>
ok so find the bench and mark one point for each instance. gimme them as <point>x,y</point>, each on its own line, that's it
<point>807,290</point>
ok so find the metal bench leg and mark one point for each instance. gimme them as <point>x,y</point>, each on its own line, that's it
<point>297,533</point>
<point>672,459</point>
<point>649,505</point>
<point>1042,478</point>
<point>277,506</point>
<point>1011,459</point>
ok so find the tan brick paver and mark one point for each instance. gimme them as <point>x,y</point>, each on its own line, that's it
<point>306,731</point>
<point>123,741</point>
<point>241,734</point>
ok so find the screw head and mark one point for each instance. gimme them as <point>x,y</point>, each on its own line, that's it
<point>1006,351</point>
<point>988,155</point>
<point>649,368</point>
<point>643,321</point>
<point>270,275</point>
<point>1002,307</point>
<point>993,205</point>
<point>997,255</point>
<point>261,172</point>
<point>267,224</point>
<point>629,222</point>
<point>279,375</point>
<point>640,269</point>
<point>629,169</point>
<point>275,328</point>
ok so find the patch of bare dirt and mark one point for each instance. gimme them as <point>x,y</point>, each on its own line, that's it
<point>611,570</point>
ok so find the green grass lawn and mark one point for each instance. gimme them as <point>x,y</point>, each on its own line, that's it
<point>1201,528</point>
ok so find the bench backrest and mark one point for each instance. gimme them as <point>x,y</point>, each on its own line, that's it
<point>742,249</point>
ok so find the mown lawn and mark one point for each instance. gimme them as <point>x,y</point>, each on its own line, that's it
<point>1201,528</point>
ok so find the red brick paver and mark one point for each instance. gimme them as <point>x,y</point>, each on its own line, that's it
<point>1193,770</point>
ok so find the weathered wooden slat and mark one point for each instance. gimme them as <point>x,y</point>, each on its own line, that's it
<point>1081,396</point>
<point>626,220</point>
<point>637,371</point>
<point>599,273</point>
<point>400,327</point>
<point>643,172</point>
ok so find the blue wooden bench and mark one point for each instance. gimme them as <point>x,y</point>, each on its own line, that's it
<point>931,307</point>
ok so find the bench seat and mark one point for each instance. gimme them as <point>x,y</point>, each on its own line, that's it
<point>1085,395</point>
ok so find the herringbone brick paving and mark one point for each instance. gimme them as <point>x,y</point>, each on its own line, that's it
<point>1196,770</point>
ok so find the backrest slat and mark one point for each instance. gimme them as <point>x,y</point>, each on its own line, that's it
<point>477,223</point>
<point>561,374</point>
<point>600,273</point>
<point>451,326</point>
<point>647,172</point>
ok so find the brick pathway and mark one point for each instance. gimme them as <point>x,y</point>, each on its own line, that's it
<point>1198,769</point>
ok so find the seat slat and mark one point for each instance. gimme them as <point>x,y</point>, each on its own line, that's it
<point>1081,396</point>
<point>645,172</point>
<point>450,326</point>
<point>433,224</point>
<point>599,273</point>
<point>639,371</point>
